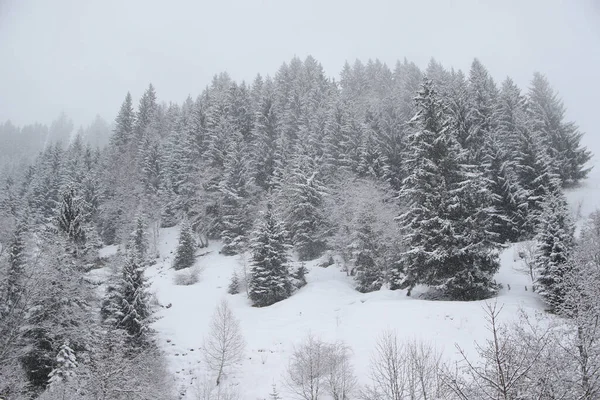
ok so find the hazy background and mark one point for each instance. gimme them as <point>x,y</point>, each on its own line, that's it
<point>81,57</point>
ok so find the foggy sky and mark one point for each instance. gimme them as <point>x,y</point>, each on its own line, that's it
<point>82,56</point>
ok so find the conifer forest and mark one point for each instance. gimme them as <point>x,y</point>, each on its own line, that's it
<point>402,185</point>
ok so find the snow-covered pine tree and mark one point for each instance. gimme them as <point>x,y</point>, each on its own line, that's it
<point>185,254</point>
<point>482,105</point>
<point>133,313</point>
<point>535,174</point>
<point>554,248</point>
<point>123,132</point>
<point>269,273</point>
<point>235,190</point>
<point>71,216</point>
<point>146,112</point>
<point>139,240</point>
<point>13,289</point>
<point>365,254</point>
<point>510,208</point>
<point>234,284</point>
<point>546,114</point>
<point>306,220</point>
<point>64,371</point>
<point>447,217</point>
<point>265,135</point>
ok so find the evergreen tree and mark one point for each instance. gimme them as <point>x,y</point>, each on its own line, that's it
<point>555,242</point>
<point>186,249</point>
<point>123,132</point>
<point>482,114</point>
<point>536,176</point>
<point>365,254</point>
<point>14,286</point>
<point>71,216</point>
<point>139,241</point>
<point>64,371</point>
<point>448,211</point>
<point>133,311</point>
<point>306,220</point>
<point>270,276</point>
<point>546,114</point>
<point>265,133</point>
<point>235,190</point>
<point>146,112</point>
<point>510,208</point>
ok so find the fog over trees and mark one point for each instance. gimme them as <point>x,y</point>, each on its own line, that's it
<point>399,176</point>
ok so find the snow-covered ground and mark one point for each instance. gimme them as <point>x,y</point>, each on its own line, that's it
<point>327,307</point>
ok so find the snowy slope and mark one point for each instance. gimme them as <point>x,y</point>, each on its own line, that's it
<point>328,307</point>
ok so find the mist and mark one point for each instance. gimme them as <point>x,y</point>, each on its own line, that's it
<point>82,57</point>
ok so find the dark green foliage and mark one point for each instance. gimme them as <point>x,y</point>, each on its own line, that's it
<point>186,249</point>
<point>270,276</point>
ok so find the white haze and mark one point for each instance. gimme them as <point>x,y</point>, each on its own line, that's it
<point>81,57</point>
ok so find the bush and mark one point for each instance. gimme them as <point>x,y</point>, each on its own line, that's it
<point>187,277</point>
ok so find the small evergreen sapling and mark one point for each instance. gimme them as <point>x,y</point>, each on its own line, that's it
<point>66,363</point>
<point>270,276</point>
<point>555,242</point>
<point>186,250</point>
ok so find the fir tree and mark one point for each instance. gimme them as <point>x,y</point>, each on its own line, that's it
<point>265,133</point>
<point>64,371</point>
<point>134,309</point>
<point>448,211</point>
<point>536,177</point>
<point>546,118</point>
<point>146,112</point>
<point>139,241</point>
<point>186,249</point>
<point>510,208</point>
<point>306,220</point>
<point>555,242</point>
<point>71,216</point>
<point>235,189</point>
<point>234,284</point>
<point>365,254</point>
<point>270,276</point>
<point>14,287</point>
<point>124,122</point>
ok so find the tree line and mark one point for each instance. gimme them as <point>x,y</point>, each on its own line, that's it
<point>403,176</point>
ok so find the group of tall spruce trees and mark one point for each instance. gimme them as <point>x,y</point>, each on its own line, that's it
<point>408,177</point>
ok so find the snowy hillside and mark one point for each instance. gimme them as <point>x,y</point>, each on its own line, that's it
<point>328,307</point>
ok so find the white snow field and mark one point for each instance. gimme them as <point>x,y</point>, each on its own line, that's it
<point>328,307</point>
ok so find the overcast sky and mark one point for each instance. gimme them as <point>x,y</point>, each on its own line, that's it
<point>81,57</point>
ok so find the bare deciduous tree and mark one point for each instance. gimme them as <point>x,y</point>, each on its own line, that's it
<point>402,371</point>
<point>506,362</point>
<point>307,369</point>
<point>225,344</point>
<point>340,380</point>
